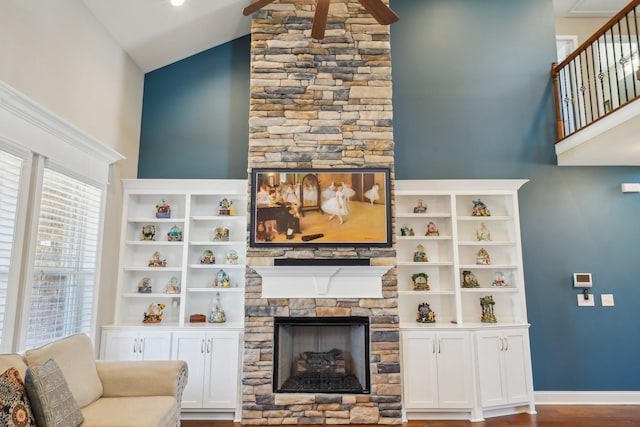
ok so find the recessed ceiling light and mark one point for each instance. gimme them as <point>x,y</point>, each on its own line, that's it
<point>177,2</point>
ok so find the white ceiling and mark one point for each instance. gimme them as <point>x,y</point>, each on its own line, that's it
<point>156,34</point>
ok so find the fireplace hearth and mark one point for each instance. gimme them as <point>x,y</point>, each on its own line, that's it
<point>321,355</point>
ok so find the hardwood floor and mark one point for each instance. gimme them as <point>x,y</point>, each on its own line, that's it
<point>548,416</point>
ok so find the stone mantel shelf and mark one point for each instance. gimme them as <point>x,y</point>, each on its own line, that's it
<point>326,281</point>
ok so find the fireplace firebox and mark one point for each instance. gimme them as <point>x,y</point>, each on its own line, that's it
<point>321,355</point>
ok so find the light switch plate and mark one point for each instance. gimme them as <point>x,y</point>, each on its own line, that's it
<point>591,302</point>
<point>607,300</point>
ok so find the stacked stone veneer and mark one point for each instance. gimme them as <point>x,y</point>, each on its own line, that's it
<point>320,104</point>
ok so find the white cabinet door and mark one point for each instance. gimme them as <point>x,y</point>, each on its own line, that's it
<point>120,345</point>
<point>212,357</point>
<point>190,346</point>
<point>455,381</point>
<point>221,370</point>
<point>437,370</point>
<point>503,366</point>
<point>419,368</point>
<point>133,344</point>
<point>516,356</point>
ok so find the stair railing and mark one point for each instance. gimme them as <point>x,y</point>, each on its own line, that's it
<point>601,75</point>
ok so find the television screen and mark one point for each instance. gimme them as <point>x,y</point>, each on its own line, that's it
<point>320,207</point>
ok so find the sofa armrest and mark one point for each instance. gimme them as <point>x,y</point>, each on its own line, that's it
<point>143,378</point>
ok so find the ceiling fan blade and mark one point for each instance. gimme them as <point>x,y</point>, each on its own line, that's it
<point>380,11</point>
<point>320,19</point>
<point>253,7</point>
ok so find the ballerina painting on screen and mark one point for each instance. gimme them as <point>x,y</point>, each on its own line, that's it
<point>372,194</point>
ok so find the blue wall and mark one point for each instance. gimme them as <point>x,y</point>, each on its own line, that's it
<point>195,116</point>
<point>472,99</point>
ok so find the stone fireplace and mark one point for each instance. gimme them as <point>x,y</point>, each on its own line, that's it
<point>321,104</point>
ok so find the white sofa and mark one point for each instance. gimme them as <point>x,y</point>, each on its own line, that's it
<point>109,393</point>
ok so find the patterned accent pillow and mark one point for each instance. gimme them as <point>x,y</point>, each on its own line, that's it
<point>15,410</point>
<point>51,400</point>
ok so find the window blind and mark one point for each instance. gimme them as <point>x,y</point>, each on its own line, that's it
<point>65,264</point>
<point>10,171</point>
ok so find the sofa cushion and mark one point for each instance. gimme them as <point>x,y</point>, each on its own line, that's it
<point>74,355</point>
<point>147,411</point>
<point>52,402</point>
<point>15,410</point>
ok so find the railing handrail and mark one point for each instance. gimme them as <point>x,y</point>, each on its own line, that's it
<point>606,27</point>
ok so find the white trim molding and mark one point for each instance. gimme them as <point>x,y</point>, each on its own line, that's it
<point>587,397</point>
<point>28,124</point>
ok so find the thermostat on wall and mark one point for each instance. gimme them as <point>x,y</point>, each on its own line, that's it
<point>582,280</point>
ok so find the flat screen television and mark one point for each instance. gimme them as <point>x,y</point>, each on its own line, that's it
<point>320,207</point>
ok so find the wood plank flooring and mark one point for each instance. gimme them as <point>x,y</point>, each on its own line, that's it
<point>548,416</point>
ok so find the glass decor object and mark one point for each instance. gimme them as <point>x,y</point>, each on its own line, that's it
<point>163,210</point>
<point>420,207</point>
<point>157,260</point>
<point>482,233</point>
<point>173,286</point>
<point>148,232</point>
<point>499,281</point>
<point>406,230</point>
<point>144,285</point>
<point>224,207</point>
<point>425,314</point>
<point>174,234</point>
<point>221,279</point>
<point>207,257</point>
<point>487,303</point>
<point>432,229</point>
<point>469,280</point>
<point>480,209</point>
<point>483,257</point>
<point>420,254</point>
<point>221,234</point>
<point>420,281</point>
<point>154,313</point>
<point>216,315</point>
<point>232,257</point>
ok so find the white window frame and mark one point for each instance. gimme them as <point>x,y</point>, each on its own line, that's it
<point>44,138</point>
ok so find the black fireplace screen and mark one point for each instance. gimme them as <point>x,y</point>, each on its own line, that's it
<point>321,355</point>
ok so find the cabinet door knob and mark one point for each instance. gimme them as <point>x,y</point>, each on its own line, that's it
<point>135,345</point>
<point>501,344</point>
<point>202,346</point>
<point>141,346</point>
<point>209,341</point>
<point>506,344</point>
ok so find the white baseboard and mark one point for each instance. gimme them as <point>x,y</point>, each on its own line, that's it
<point>587,397</point>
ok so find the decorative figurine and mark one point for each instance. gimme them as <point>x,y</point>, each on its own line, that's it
<point>420,281</point>
<point>406,230</point>
<point>425,314</point>
<point>221,280</point>
<point>224,209</point>
<point>499,281</point>
<point>232,209</point>
<point>420,255</point>
<point>232,257</point>
<point>144,285</point>
<point>173,286</point>
<point>157,260</point>
<point>469,280</point>
<point>480,209</point>
<point>482,257</point>
<point>217,312</point>
<point>420,207</point>
<point>487,304</point>
<point>154,313</point>
<point>163,210</point>
<point>483,234</point>
<point>221,234</point>
<point>148,232</point>
<point>432,230</point>
<point>174,234</point>
<point>207,257</point>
